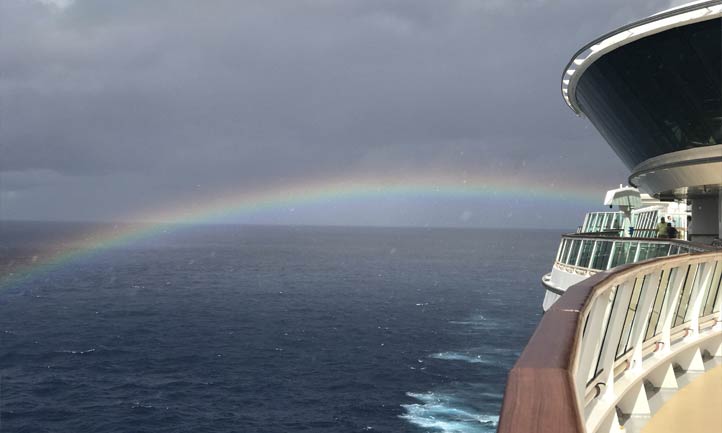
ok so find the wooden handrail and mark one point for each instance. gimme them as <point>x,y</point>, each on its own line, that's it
<point>540,391</point>
<point>539,395</point>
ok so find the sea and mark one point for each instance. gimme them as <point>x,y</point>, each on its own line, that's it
<point>223,328</point>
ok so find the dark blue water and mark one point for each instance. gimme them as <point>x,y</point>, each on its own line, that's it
<point>271,329</point>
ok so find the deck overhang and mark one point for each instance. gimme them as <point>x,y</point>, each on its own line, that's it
<point>690,173</point>
<point>677,17</point>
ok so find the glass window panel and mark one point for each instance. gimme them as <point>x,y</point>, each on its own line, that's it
<point>662,250</point>
<point>631,252</point>
<point>634,305</point>
<point>573,251</point>
<point>715,302</point>
<point>700,282</point>
<point>586,253</point>
<point>659,298</point>
<point>620,253</point>
<point>703,289</point>
<point>601,255</point>
<point>567,246</point>
<point>605,325</point>
<point>684,295</point>
<point>614,221</point>
<point>713,290</point>
<point>629,316</point>
<point>643,251</point>
<point>563,250</point>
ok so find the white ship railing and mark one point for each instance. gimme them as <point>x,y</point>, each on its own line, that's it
<point>595,222</point>
<point>608,336</point>
<point>586,254</point>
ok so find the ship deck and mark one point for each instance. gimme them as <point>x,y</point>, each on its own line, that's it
<point>696,408</point>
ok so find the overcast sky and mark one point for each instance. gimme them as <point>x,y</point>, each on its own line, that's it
<point>109,109</point>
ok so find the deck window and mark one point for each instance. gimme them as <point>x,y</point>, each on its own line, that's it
<point>586,253</point>
<point>573,252</point>
<point>714,292</point>
<point>601,255</point>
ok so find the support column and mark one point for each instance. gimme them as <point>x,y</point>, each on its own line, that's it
<point>663,377</point>
<point>691,360</point>
<point>635,401</point>
<point>706,224</point>
<point>701,285</point>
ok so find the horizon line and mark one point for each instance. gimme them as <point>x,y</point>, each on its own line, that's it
<point>271,224</point>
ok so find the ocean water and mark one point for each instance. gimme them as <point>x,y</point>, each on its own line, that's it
<point>269,329</point>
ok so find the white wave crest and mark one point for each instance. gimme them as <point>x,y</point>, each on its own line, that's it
<point>445,414</point>
<point>77,352</point>
<point>456,356</point>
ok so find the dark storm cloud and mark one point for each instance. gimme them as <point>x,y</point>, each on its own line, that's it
<point>150,99</point>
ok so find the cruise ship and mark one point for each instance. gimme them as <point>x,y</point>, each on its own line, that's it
<point>631,337</point>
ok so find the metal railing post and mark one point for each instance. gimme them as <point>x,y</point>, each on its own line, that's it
<point>613,333</point>
<point>700,288</point>
<point>591,340</point>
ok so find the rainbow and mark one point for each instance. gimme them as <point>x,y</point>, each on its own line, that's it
<point>224,207</point>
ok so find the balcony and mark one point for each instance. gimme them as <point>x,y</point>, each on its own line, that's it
<point>582,255</point>
<point>614,347</point>
<point>590,253</point>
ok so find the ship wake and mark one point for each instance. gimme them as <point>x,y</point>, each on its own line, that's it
<point>447,414</point>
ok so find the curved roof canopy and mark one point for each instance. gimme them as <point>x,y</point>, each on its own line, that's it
<point>654,87</point>
<point>680,16</point>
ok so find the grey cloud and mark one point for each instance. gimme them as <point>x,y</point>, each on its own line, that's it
<point>225,92</point>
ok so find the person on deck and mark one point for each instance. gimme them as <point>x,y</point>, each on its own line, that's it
<point>671,231</point>
<point>662,229</point>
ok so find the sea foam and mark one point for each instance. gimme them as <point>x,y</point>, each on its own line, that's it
<point>456,356</point>
<point>447,415</point>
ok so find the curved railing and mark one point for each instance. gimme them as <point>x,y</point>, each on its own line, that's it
<point>598,345</point>
<point>587,254</point>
